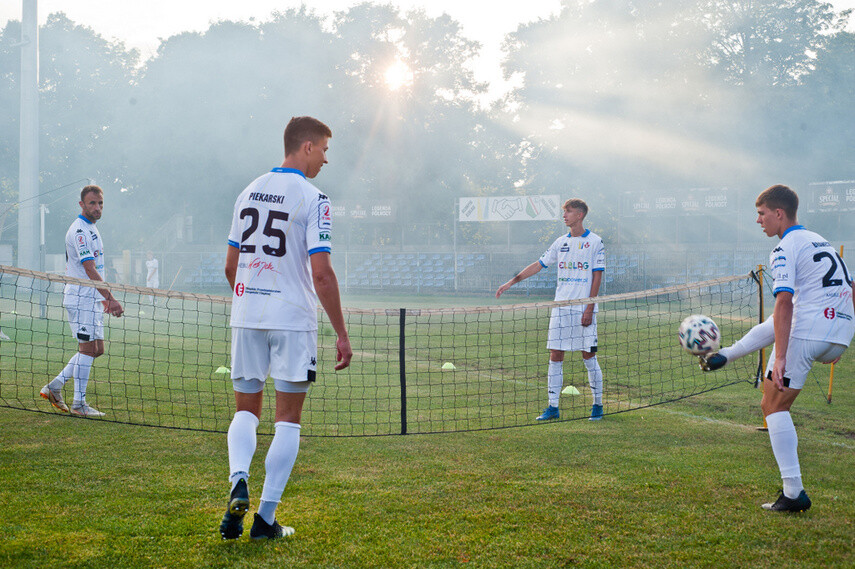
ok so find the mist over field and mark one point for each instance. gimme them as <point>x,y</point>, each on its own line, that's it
<point>667,118</point>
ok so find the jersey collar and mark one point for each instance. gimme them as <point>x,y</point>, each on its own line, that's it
<point>288,171</point>
<point>793,228</point>
<point>84,218</point>
<point>585,234</point>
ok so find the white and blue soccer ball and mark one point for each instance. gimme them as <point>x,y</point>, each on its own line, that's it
<point>699,335</point>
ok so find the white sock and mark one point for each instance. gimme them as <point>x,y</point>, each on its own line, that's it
<point>785,443</point>
<point>81,377</point>
<point>66,373</point>
<point>242,442</point>
<point>280,459</point>
<point>760,336</point>
<point>595,379</point>
<point>554,381</point>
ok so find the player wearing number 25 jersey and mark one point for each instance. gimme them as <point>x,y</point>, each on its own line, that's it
<point>280,219</point>
<point>280,229</point>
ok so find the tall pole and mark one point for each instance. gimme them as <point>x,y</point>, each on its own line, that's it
<point>28,167</point>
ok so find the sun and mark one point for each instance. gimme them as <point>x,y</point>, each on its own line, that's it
<point>398,75</point>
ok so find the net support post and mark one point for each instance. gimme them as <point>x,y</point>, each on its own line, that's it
<point>402,321</point>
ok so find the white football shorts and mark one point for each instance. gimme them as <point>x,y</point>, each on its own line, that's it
<point>86,320</point>
<point>800,357</point>
<point>566,332</point>
<point>288,356</point>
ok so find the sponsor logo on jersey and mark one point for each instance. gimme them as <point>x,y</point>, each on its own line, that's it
<point>565,247</point>
<point>777,249</point>
<point>584,245</point>
<point>324,217</point>
<point>93,235</point>
<point>829,313</point>
<point>324,236</point>
<point>574,265</point>
<point>262,266</point>
<point>239,289</point>
<point>81,240</point>
<point>819,244</point>
<point>779,258</point>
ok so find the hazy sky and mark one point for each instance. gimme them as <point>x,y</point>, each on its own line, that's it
<point>140,23</point>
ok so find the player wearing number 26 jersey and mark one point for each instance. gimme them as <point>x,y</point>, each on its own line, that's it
<point>280,219</point>
<point>806,265</point>
<point>813,321</point>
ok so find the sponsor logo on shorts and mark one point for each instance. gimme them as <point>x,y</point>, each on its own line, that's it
<point>829,313</point>
<point>240,289</point>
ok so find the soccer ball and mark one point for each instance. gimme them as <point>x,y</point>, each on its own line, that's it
<point>699,335</point>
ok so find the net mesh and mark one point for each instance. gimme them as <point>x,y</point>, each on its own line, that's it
<point>428,370</point>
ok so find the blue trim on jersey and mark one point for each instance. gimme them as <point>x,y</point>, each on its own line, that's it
<point>320,250</point>
<point>793,228</point>
<point>288,171</point>
<point>234,244</point>
<point>595,270</point>
<point>542,265</point>
<point>783,289</point>
<point>587,232</point>
<point>84,218</point>
<point>87,259</point>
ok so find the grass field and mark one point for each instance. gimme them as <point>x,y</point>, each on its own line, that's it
<point>673,485</point>
<point>677,485</point>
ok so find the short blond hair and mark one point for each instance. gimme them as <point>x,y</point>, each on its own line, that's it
<point>576,203</point>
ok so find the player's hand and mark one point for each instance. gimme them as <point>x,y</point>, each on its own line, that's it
<point>343,353</point>
<point>114,308</point>
<point>587,317</point>
<point>502,289</point>
<point>778,374</point>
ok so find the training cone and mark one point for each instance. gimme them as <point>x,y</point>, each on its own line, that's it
<point>223,369</point>
<point>570,390</point>
<point>448,366</point>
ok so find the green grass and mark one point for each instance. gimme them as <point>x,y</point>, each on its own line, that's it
<point>672,486</point>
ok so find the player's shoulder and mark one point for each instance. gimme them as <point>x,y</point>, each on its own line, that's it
<point>591,236</point>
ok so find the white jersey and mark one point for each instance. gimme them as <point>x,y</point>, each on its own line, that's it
<point>578,258</point>
<point>280,219</point>
<point>152,275</point>
<point>807,266</point>
<point>82,243</point>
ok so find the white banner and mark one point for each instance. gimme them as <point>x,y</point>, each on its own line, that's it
<point>510,208</point>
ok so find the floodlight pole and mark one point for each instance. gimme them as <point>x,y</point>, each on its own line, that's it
<point>28,166</point>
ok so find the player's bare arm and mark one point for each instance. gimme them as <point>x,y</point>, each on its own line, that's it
<point>232,255</point>
<point>326,287</point>
<point>530,270</point>
<point>111,305</point>
<point>783,318</point>
<point>588,314</point>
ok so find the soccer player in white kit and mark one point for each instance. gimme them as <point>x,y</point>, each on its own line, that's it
<point>152,276</point>
<point>281,227</point>
<point>813,320</point>
<point>84,259</point>
<point>581,261</point>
